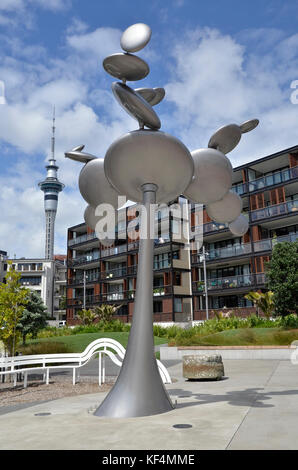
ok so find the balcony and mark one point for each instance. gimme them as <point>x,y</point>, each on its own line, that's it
<point>82,238</point>
<point>231,282</point>
<point>115,250</point>
<point>162,290</point>
<point>268,244</point>
<point>276,178</point>
<point>266,181</point>
<point>213,227</point>
<point>80,280</point>
<point>226,252</point>
<point>113,273</point>
<point>83,260</point>
<point>277,210</point>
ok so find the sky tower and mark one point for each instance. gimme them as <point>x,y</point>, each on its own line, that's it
<point>51,187</point>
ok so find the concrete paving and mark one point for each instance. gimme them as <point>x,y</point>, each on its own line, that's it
<point>254,407</point>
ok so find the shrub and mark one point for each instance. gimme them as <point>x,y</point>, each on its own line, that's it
<point>51,331</point>
<point>289,321</point>
<point>44,347</point>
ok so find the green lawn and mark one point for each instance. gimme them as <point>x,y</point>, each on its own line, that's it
<point>242,337</point>
<point>77,343</point>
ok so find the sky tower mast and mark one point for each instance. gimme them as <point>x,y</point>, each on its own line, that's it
<point>51,188</point>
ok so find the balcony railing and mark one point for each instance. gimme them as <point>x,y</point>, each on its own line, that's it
<point>82,238</point>
<point>226,252</point>
<point>214,226</point>
<point>114,273</point>
<point>220,283</point>
<point>80,280</point>
<point>266,181</point>
<point>100,298</point>
<point>115,250</point>
<point>83,259</point>
<point>230,282</point>
<point>162,290</point>
<point>276,210</point>
<point>268,244</point>
<point>276,178</point>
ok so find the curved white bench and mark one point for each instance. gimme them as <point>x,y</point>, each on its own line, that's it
<point>46,362</point>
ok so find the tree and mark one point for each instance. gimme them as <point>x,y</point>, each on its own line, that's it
<point>13,300</point>
<point>33,317</point>
<point>264,301</point>
<point>105,312</point>
<point>282,277</point>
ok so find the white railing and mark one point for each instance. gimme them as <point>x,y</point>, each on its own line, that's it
<point>46,362</point>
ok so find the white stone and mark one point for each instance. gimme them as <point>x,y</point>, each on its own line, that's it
<point>135,37</point>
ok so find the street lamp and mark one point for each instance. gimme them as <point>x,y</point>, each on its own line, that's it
<point>203,258</point>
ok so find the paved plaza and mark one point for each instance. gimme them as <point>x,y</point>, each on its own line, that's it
<point>254,407</point>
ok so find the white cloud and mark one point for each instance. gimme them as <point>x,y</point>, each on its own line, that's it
<point>215,81</point>
<point>54,5</point>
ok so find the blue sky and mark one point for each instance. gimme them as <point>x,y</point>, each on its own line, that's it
<point>219,61</point>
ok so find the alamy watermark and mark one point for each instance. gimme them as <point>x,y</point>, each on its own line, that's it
<point>294,94</point>
<point>2,92</point>
<point>179,222</point>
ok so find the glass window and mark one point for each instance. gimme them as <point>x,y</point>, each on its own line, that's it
<point>178,304</point>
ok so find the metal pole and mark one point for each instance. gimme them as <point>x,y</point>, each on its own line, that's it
<point>139,390</point>
<point>206,287</point>
<point>84,298</point>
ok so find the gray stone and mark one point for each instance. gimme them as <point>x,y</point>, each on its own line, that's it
<point>203,367</point>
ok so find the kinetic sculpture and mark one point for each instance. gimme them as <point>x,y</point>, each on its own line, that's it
<point>150,166</point>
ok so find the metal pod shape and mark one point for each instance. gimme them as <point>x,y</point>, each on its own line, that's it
<point>139,390</point>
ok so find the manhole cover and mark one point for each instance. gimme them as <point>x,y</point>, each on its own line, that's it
<point>182,426</point>
<point>42,414</point>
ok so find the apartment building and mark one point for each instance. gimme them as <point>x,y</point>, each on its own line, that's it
<point>108,275</point>
<point>234,265</point>
<point>46,277</point>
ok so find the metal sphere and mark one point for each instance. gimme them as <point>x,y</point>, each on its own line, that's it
<point>212,177</point>
<point>147,156</point>
<point>227,209</point>
<point>94,186</point>
<point>135,37</point>
<point>239,226</point>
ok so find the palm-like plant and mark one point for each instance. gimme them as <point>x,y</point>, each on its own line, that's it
<point>264,301</point>
<point>105,312</point>
<point>87,317</point>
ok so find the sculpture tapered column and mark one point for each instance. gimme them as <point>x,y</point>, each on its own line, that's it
<point>139,390</point>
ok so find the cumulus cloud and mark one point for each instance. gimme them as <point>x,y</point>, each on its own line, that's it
<point>217,80</point>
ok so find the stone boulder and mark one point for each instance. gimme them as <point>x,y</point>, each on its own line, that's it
<point>203,367</point>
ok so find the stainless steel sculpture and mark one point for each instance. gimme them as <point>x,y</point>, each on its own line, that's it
<point>150,166</point>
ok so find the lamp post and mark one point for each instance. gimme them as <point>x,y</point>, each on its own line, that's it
<point>203,258</point>
<point>84,293</point>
